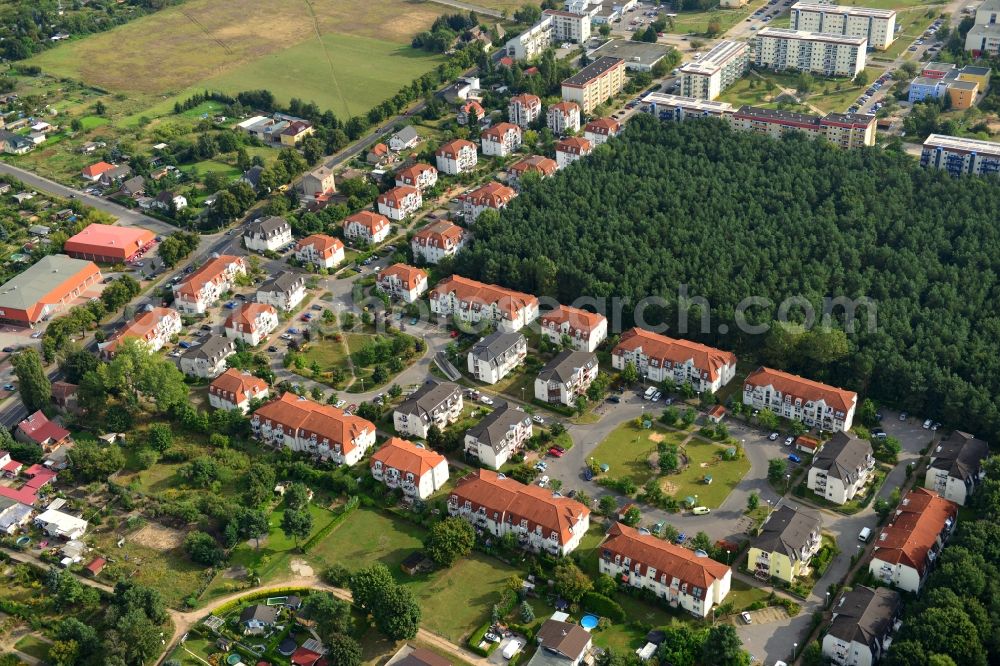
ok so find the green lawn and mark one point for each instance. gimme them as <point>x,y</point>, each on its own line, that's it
<point>211,166</point>
<point>91,122</point>
<point>697,22</point>
<point>627,449</point>
<point>34,646</point>
<point>703,459</point>
<point>327,353</point>
<point>913,23</point>
<point>741,595</point>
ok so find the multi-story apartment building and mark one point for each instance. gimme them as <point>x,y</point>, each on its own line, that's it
<point>155,328</point>
<point>841,469</point>
<point>553,28</point>
<point>599,130</point>
<point>251,323</point>
<point>456,157</point>
<point>571,149</point>
<point>563,118</point>
<point>956,467</point>
<point>817,52</point>
<point>491,195</point>
<point>208,359</point>
<point>320,250</point>
<point>204,286</point>
<point>502,433</point>
<point>659,358</point>
<point>473,301</point>
<point>677,107</point>
<point>568,26</point>
<point>539,519</point>
<point>234,389</point>
<point>417,471</point>
<point>878,26</point>
<point>305,426</point>
<point>960,85</point>
<point>493,357</point>
<point>983,39</point>
<point>908,547</point>
<point>524,109</point>
<point>861,630</point>
<point>367,226</point>
<point>596,83</point>
<point>403,282</point>
<point>845,130</point>
<point>786,542</point>
<point>543,166</point>
<point>673,573</point>
<point>585,330</point>
<point>268,234</point>
<point>400,202</point>
<point>717,70</point>
<point>433,404</point>
<point>568,375</point>
<point>284,291</point>
<point>501,140</point>
<point>420,175</point>
<point>958,155</point>
<point>438,240</point>
<point>800,399</point>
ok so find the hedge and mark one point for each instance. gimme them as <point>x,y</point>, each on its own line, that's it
<point>603,606</point>
<point>325,531</point>
<point>477,637</point>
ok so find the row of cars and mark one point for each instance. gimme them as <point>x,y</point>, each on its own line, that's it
<point>877,85</point>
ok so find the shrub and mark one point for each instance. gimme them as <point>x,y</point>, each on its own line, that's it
<point>603,606</point>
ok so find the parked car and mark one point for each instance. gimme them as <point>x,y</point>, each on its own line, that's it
<point>927,424</point>
<point>340,403</point>
<point>794,458</point>
<point>615,399</point>
<point>486,400</point>
<point>37,334</point>
<point>294,331</point>
<point>789,440</point>
<point>746,617</point>
<point>556,453</point>
<point>9,387</point>
<point>700,510</point>
<point>205,327</point>
<point>773,437</point>
<point>538,419</point>
<point>588,474</point>
<point>543,482</point>
<point>231,305</point>
<point>185,345</point>
<point>903,416</point>
<point>272,349</point>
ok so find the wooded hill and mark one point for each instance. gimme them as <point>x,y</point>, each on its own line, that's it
<point>739,215</point>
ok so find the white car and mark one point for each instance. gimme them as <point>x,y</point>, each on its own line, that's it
<point>927,424</point>
<point>789,440</point>
<point>773,437</point>
<point>538,419</point>
<point>340,403</point>
<point>543,482</point>
<point>486,400</point>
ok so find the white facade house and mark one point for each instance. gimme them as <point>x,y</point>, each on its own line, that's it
<point>456,157</point>
<point>404,139</point>
<point>61,525</point>
<point>816,52</point>
<point>841,469</point>
<point>722,66</point>
<point>320,250</point>
<point>473,301</point>
<point>420,175</point>
<point>417,471</point>
<point>493,357</point>
<point>524,109</point>
<point>251,323</point>
<point>566,377</point>
<point>878,26</point>
<point>563,118</point>
<point>367,226</point>
<point>492,195</point>
<point>155,328</point>
<point>571,149</point>
<point>495,439</point>
<point>208,360</point>
<point>234,389</point>
<point>284,291</point>
<point>800,399</point>
<point>433,404</point>
<point>501,139</point>
<point>864,619</point>
<point>268,234</point>
<point>659,358</point>
<point>403,282</point>
<point>599,130</point>
<point>400,202</point>
<point>438,240</point>
<point>956,467</point>
<point>204,286</point>
<point>585,330</point>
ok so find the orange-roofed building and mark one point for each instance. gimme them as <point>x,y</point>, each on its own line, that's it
<point>234,389</point>
<point>539,519</point>
<point>474,301</point>
<point>437,241</point>
<point>543,166</point>
<point>800,399</point>
<point>501,140</point>
<point>305,426</point>
<point>600,130</point>
<point>367,226</point>
<point>400,202</point>
<point>586,330</point>
<point>571,149</point>
<point>660,358</point>
<point>524,109</point>
<point>109,244</point>
<point>417,471</point>
<point>251,322</point>
<point>456,157</point>
<point>319,249</point>
<point>94,171</point>
<point>48,287</point>
<point>155,328</point>
<point>563,118</point>
<point>378,154</point>
<point>420,175</point>
<point>470,112</point>
<point>203,287</point>
<point>908,547</point>
<point>401,281</point>
<point>491,195</point>
<point>673,573</point>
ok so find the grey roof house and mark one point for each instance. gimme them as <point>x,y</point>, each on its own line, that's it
<point>863,622</point>
<point>257,618</point>
<point>498,436</point>
<point>494,356</point>
<point>208,359</point>
<point>434,403</point>
<point>404,138</point>
<point>956,469</point>
<point>560,644</point>
<point>788,534</point>
<point>284,291</point>
<point>842,468</point>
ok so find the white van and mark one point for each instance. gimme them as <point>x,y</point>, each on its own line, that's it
<point>865,534</point>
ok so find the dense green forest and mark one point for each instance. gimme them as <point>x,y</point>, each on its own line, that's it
<point>738,215</point>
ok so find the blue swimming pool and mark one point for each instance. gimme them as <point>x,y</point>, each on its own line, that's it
<point>588,622</point>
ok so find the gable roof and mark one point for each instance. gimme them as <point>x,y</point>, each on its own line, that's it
<point>267,226</point>
<point>507,301</point>
<point>407,275</point>
<point>492,194</point>
<point>211,271</point>
<point>912,535</point>
<point>370,220</point>
<point>247,315</point>
<point>564,365</point>
<point>496,344</point>
<point>283,283</point>
<point>961,454</point>
<point>431,395</point>
<point>422,657</point>
<point>404,455</point>
<point>142,327</point>
<point>234,385</point>
<point>578,320</point>
<point>786,531</point>
<point>544,166</point>
<point>565,108</point>
<point>259,613</point>
<point>394,197</point>
<point>655,346</point>
<point>574,145</point>
<point>843,455</point>
<point>305,416</point>
<point>213,347</point>
<point>97,168</point>
<point>802,388</point>
<point>493,429</point>
<point>38,428</point>
<point>323,244</point>
<point>605,126</point>
<point>865,615</point>
<point>453,148</point>
<point>413,172</point>
<point>407,134</point>
<point>497,132</point>
<point>440,231</point>
<point>569,640</point>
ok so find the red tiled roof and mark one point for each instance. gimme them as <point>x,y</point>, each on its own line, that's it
<point>507,61</point>
<point>805,389</point>
<point>96,566</point>
<point>97,169</point>
<point>492,194</point>
<point>471,291</point>
<point>407,275</point>
<point>915,527</point>
<point>565,107</point>
<point>807,442</point>
<point>325,246</point>
<point>497,132</point>
<point>142,327</point>
<point>717,411</point>
<point>40,476</point>
<point>38,428</point>
<point>368,219</point>
<point>579,320</point>
<point>412,174</point>
<point>667,558</point>
<point>573,145</point>
<point>304,657</point>
<point>12,467</point>
<point>246,316</point>
<point>453,148</point>
<point>380,149</point>
<point>515,501</point>
<point>394,197</point>
<point>472,106</point>
<point>543,166</point>
<point>526,99</point>
<point>210,271</point>
<point>441,231</point>
<point>234,385</point>
<point>606,126</point>
<point>306,417</point>
<point>660,347</point>
<point>406,456</point>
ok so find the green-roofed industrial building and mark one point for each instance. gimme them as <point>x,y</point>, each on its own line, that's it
<point>46,288</point>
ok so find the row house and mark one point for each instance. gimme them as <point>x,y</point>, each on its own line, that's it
<point>908,547</point>
<point>563,118</point>
<point>268,234</point>
<point>320,250</point>
<point>571,149</point>
<point>438,240</point>
<point>420,175</point>
<point>251,323</point>
<point>543,166</point>
<point>208,359</point>
<point>417,471</point>
<point>659,358</point>
<point>673,573</point>
<point>567,376</point>
<point>585,330</point>
<point>842,468</point>
<point>599,130</point>
<point>204,286</point>
<point>284,291</point>
<point>493,357</point>
<point>155,328</point>
<point>501,140</point>
<point>522,110</point>
<point>400,202</point>
<point>235,389</point>
<point>785,544</point>
<point>433,404</point>
<point>539,519</point>
<point>498,437</point>
<point>367,226</point>
<point>492,195</point>
<point>304,426</point>
<point>455,157</point>
<point>472,301</point>
<point>798,399</point>
<point>403,282</point>
<point>861,629</point>
<point>956,467</point>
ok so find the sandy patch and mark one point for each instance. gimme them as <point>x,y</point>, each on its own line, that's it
<point>158,537</point>
<point>235,572</point>
<point>656,437</point>
<point>300,568</point>
<point>669,487</point>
